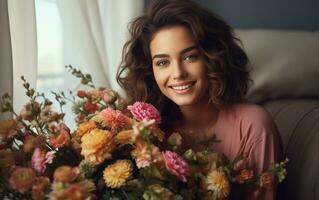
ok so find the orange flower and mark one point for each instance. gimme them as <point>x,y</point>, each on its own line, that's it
<point>265,180</point>
<point>85,128</point>
<point>21,179</point>
<point>125,137</point>
<point>65,174</point>
<point>97,146</point>
<point>244,176</point>
<point>63,138</point>
<point>115,119</point>
<point>77,192</point>
<point>40,187</point>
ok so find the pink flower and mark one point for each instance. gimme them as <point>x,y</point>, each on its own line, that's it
<point>40,158</point>
<point>114,119</point>
<point>141,111</point>
<point>176,165</point>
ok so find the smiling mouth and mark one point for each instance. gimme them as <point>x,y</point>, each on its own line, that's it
<point>182,87</point>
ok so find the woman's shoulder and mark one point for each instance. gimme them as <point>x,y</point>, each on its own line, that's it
<point>249,112</point>
<point>251,118</point>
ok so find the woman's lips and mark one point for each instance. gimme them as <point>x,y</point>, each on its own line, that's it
<point>182,88</point>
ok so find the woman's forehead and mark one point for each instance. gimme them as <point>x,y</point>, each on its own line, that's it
<point>171,40</point>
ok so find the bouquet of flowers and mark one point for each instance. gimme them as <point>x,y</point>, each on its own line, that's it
<point>117,151</point>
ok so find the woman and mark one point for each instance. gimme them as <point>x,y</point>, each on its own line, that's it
<point>187,62</point>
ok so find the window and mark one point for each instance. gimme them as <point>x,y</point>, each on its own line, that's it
<point>51,68</point>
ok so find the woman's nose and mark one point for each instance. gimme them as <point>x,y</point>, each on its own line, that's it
<point>178,71</point>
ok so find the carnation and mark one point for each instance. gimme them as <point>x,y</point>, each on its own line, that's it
<point>114,119</point>
<point>176,165</point>
<point>97,146</point>
<point>141,111</point>
<point>40,158</point>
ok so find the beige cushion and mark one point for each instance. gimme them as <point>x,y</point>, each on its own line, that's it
<point>283,63</point>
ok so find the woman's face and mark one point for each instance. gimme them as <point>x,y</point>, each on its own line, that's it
<point>178,66</point>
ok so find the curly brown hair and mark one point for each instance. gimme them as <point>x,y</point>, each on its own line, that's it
<point>225,60</point>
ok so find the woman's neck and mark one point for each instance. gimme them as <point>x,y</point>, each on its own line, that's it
<point>202,115</point>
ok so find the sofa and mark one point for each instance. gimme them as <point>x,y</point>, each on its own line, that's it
<point>285,74</point>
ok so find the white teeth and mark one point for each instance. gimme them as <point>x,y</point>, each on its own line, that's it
<point>182,87</point>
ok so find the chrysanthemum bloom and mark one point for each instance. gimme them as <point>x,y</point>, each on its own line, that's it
<point>157,192</point>
<point>65,174</point>
<point>85,128</point>
<point>6,158</point>
<point>114,119</point>
<point>21,179</point>
<point>40,159</point>
<point>116,175</point>
<point>244,175</point>
<point>41,185</point>
<point>217,182</point>
<point>145,154</point>
<point>141,111</point>
<point>176,165</point>
<point>97,146</point>
<point>265,180</point>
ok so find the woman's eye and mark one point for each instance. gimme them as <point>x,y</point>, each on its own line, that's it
<point>162,62</point>
<point>191,58</point>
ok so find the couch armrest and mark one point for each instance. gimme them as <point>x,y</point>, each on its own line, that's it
<point>298,124</point>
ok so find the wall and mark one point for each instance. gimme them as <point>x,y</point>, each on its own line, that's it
<point>276,14</point>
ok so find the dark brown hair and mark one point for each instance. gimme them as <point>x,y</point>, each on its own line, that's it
<point>225,60</point>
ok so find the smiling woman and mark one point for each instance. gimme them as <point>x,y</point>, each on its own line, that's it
<point>186,61</point>
<point>178,67</point>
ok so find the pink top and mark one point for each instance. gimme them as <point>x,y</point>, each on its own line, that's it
<point>248,128</point>
<point>245,128</point>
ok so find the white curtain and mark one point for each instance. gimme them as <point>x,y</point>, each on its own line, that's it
<point>95,32</point>
<point>24,47</point>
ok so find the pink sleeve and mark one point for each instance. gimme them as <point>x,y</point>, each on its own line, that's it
<point>263,147</point>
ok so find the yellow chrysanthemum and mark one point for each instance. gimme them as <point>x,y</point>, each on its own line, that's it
<point>85,128</point>
<point>217,182</point>
<point>116,175</point>
<point>125,137</point>
<point>97,146</point>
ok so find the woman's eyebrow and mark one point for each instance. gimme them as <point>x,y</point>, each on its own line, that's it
<point>182,52</point>
<point>189,49</point>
